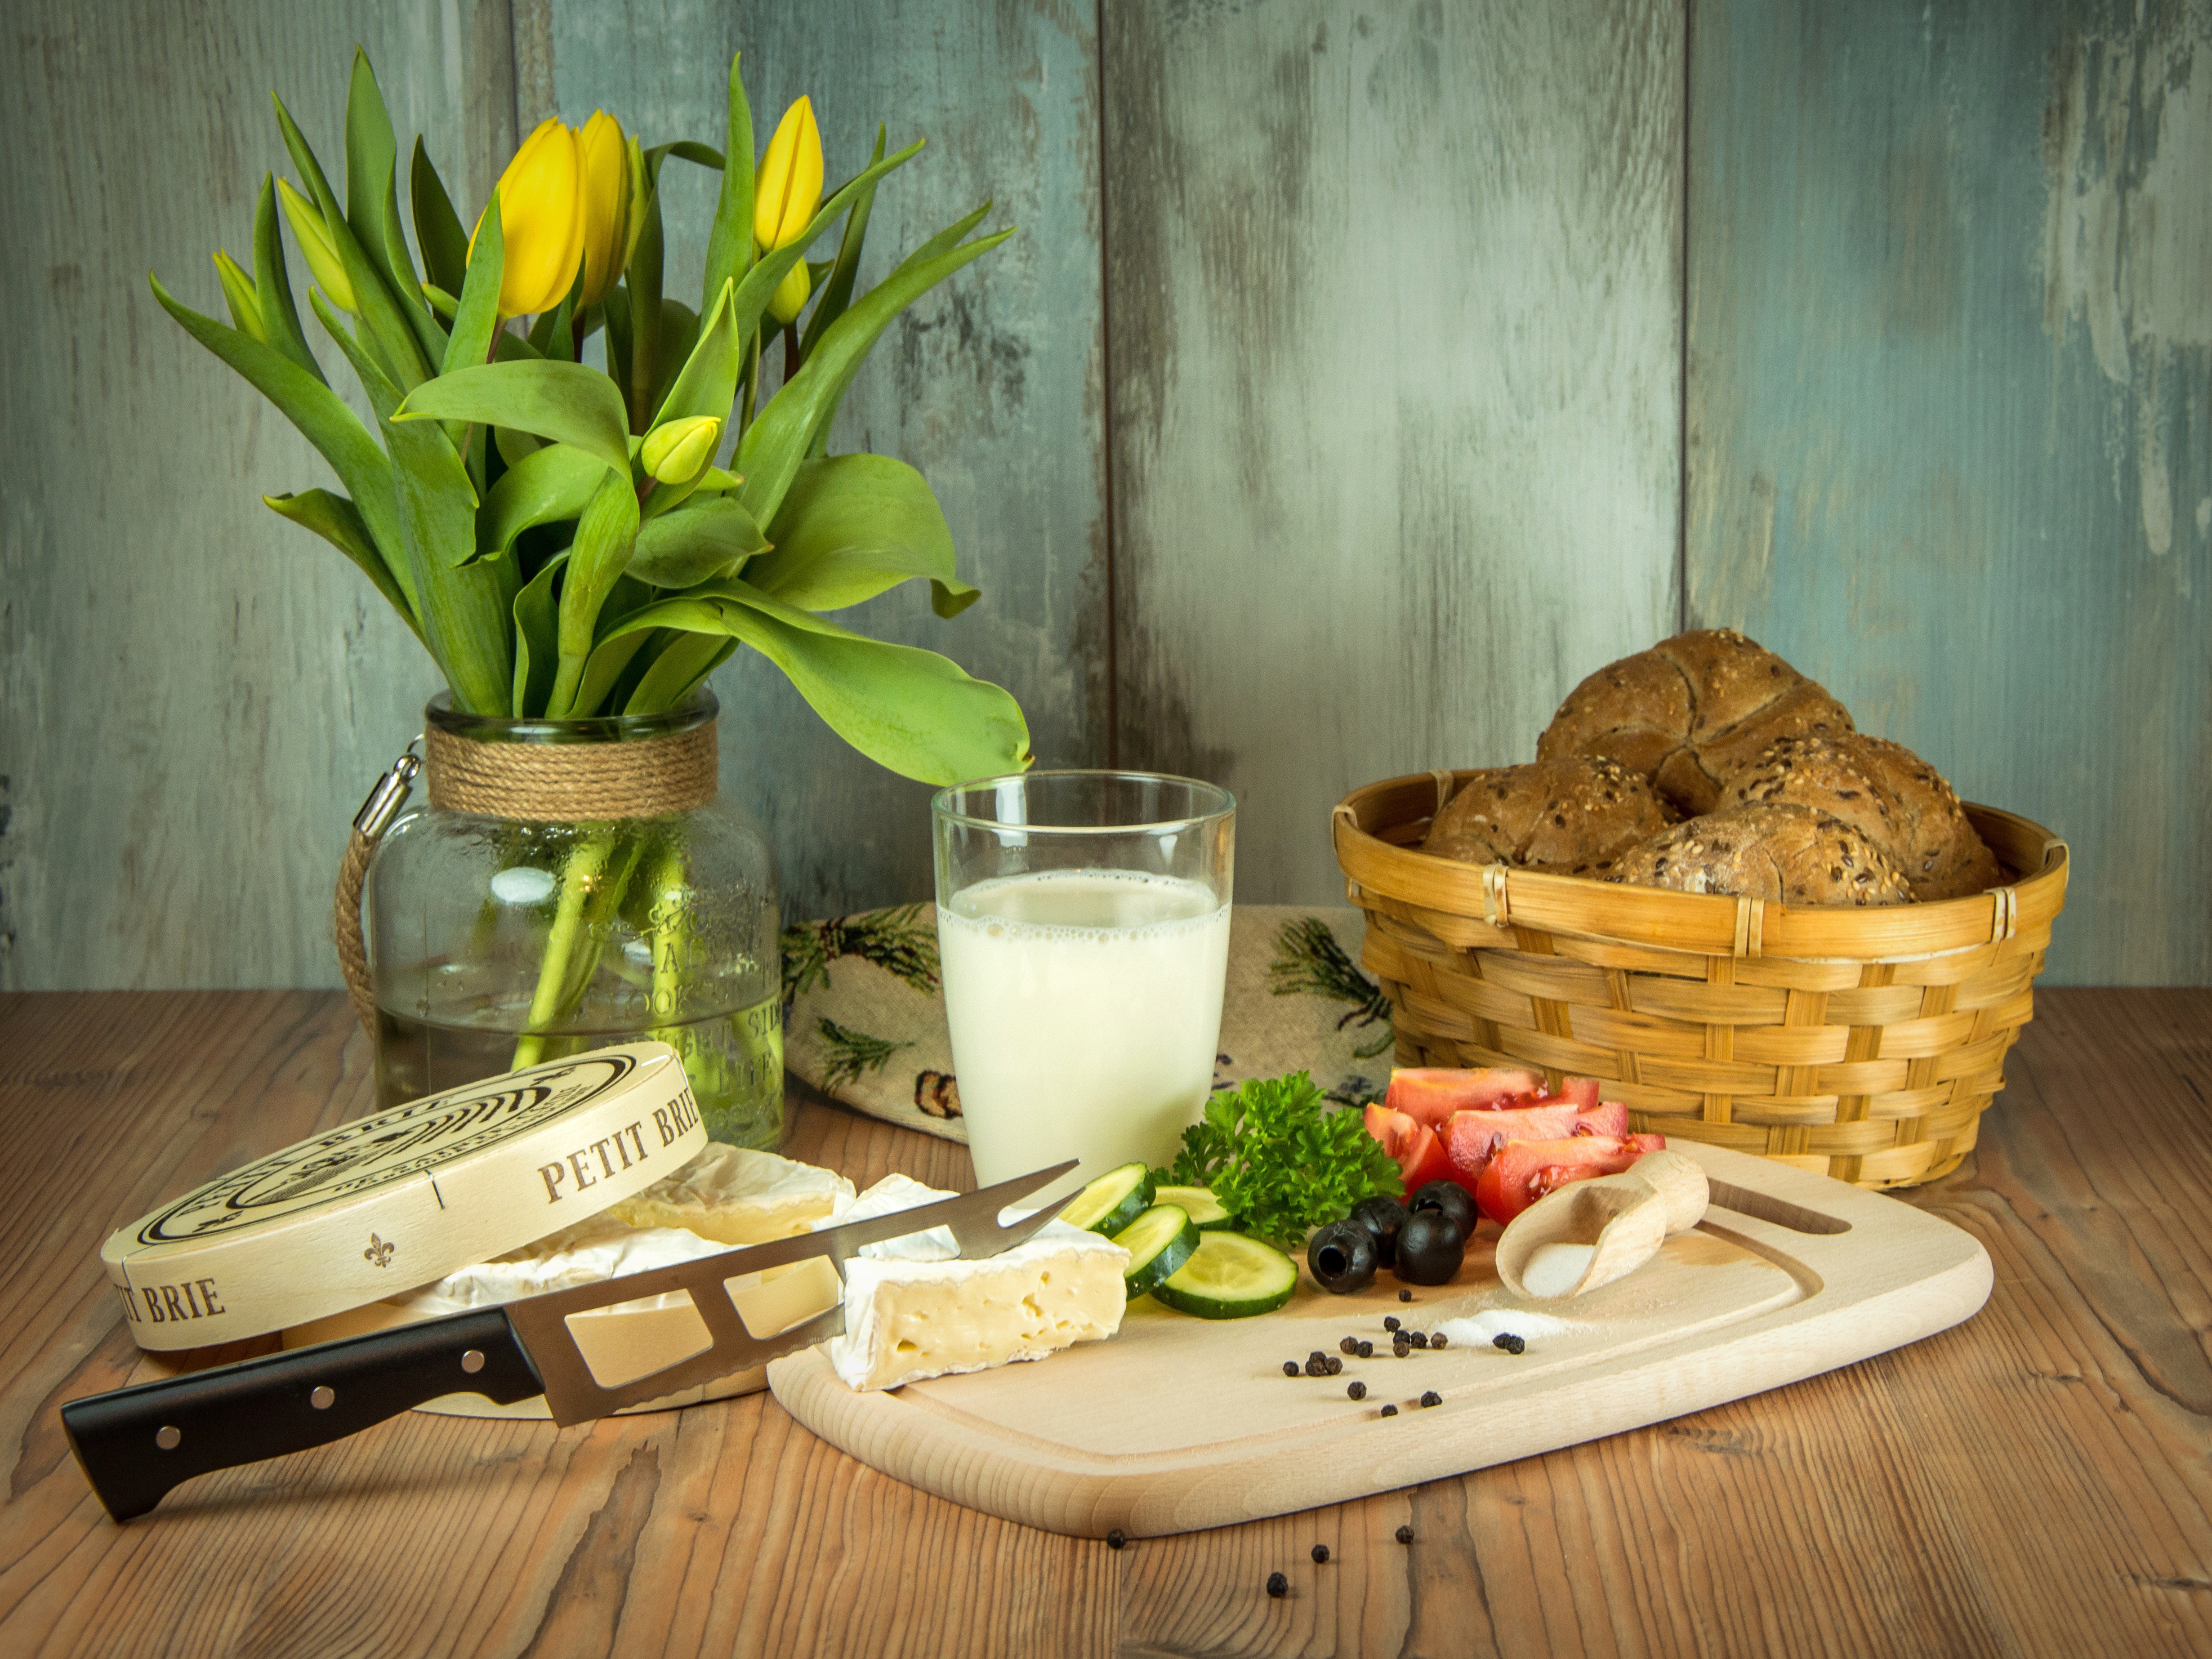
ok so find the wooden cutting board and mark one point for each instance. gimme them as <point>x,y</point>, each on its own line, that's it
<point>1180,1424</point>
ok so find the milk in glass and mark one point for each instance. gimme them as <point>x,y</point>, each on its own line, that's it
<point>1086,1009</point>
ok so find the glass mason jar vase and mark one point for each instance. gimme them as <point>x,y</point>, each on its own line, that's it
<point>570,884</point>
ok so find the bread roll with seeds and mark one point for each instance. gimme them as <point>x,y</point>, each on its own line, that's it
<point>1572,817</point>
<point>1770,850</point>
<point>1689,712</point>
<point>1889,794</point>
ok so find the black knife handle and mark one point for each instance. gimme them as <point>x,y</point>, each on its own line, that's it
<point>136,1444</point>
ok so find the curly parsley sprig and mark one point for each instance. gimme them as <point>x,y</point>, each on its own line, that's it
<point>1280,1162</point>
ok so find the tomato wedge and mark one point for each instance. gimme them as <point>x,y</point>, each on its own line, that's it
<point>1433,1094</point>
<point>1522,1171</point>
<point>1472,1138</point>
<point>1420,1155</point>
<point>1581,1091</point>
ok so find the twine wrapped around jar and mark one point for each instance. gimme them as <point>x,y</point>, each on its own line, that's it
<point>551,782</point>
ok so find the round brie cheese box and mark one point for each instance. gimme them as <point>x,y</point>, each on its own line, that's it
<point>404,1197</point>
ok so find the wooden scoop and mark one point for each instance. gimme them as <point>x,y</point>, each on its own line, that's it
<point>1623,1218</point>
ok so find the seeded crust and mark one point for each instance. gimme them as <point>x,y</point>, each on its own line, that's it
<point>1689,712</point>
<point>1574,816</point>
<point>1770,850</point>
<point>1896,799</point>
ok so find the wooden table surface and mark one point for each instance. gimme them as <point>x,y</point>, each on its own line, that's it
<point>2037,1480</point>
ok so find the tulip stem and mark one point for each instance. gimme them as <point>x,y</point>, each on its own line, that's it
<point>790,350</point>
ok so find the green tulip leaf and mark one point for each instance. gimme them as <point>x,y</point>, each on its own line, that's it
<point>439,232</point>
<point>647,312</point>
<point>476,314</point>
<point>373,199</point>
<point>775,445</point>
<point>615,308</point>
<point>322,418</point>
<point>606,535</point>
<point>272,283</point>
<point>545,487</point>
<point>708,384</point>
<point>678,338</point>
<point>693,543</point>
<point>566,403</point>
<point>837,291</point>
<point>918,714</point>
<point>610,661</point>
<point>537,647</point>
<point>672,676</point>
<point>853,526</point>
<point>730,238</point>
<point>688,149</point>
<point>759,284</point>
<point>339,522</point>
<point>464,605</point>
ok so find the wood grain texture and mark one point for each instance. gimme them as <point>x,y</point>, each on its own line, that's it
<point>1394,306</point>
<point>194,695</point>
<point>2034,1481</point>
<point>990,385</point>
<point>1950,448</point>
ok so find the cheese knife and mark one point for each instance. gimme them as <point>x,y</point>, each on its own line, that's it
<point>136,1444</point>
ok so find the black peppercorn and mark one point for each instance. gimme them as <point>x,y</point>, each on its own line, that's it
<point>1390,1321</point>
<point>1405,1296</point>
<point>1367,1350</point>
<point>1277,1586</point>
<point>1289,1368</point>
<point>1320,1553</point>
<point>1389,1411</point>
<point>1405,1534</point>
<point>1401,1347</point>
<point>1508,1341</point>
<point>1357,1390</point>
<point>1432,1398</point>
<point>1333,1364</point>
<point>1418,1339</point>
<point>1350,1344</point>
<point>1116,1539</point>
<point>1316,1368</point>
<point>1316,1354</point>
<point>1438,1340</point>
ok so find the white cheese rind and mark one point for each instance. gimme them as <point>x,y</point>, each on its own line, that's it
<point>912,1310</point>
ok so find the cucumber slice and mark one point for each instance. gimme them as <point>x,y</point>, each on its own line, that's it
<point>1111,1202</point>
<point>1204,1207</point>
<point>1230,1276</point>
<point>1158,1242</point>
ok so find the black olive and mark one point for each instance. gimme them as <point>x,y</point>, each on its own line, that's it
<point>1277,1585</point>
<point>1431,1248</point>
<point>1452,1198</point>
<point>1382,1216</point>
<point>1341,1257</point>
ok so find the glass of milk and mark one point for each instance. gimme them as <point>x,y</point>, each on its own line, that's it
<point>1083,919</point>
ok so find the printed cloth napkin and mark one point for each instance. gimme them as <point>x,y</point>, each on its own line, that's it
<point>863,1010</point>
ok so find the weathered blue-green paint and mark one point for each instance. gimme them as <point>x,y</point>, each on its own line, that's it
<point>990,385</point>
<point>1950,412</point>
<point>1393,299</point>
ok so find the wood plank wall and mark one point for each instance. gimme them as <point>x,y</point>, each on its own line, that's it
<point>1361,379</point>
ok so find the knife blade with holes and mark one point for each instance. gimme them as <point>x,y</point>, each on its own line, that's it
<point>136,1444</point>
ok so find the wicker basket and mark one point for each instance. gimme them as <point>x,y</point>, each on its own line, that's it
<point>1861,1044</point>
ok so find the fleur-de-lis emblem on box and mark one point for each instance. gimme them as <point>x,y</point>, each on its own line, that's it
<point>378,1251</point>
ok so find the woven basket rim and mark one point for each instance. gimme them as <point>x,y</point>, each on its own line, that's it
<point>1579,907</point>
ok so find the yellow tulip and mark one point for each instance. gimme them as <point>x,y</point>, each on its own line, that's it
<point>320,253</point>
<point>788,186</point>
<point>784,305</point>
<point>675,452</point>
<point>541,217</point>
<point>606,204</point>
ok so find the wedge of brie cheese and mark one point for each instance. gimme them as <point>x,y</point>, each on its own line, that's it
<point>738,1197</point>
<point>913,1309</point>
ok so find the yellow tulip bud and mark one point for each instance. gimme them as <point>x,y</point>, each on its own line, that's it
<point>790,295</point>
<point>541,217</point>
<point>675,452</point>
<point>606,204</point>
<point>245,299</point>
<point>788,186</point>
<point>316,247</point>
